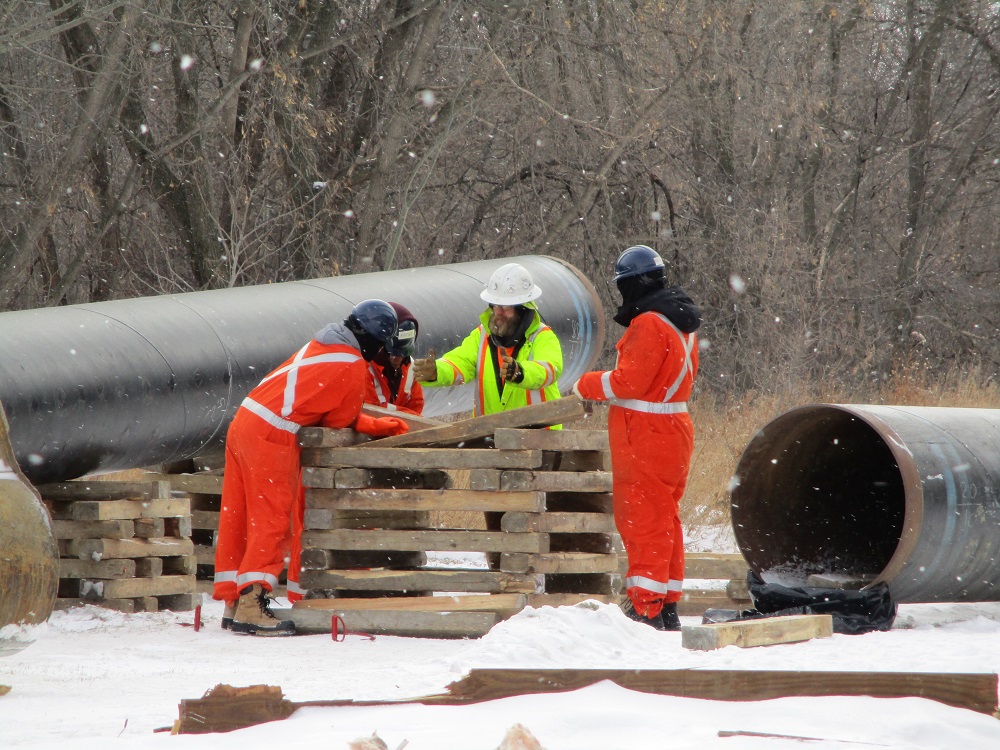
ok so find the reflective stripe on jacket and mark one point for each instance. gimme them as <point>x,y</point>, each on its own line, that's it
<point>377,391</point>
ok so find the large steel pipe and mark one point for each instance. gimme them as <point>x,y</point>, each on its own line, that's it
<point>910,495</point>
<point>117,385</point>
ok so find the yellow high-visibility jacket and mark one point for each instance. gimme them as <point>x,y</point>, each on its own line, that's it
<point>540,359</point>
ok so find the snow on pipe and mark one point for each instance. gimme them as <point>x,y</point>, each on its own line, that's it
<point>909,495</point>
<point>130,383</point>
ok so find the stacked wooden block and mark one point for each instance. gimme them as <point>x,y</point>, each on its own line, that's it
<point>122,545</point>
<point>551,540</point>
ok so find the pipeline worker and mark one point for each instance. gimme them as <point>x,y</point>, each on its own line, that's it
<point>260,522</point>
<point>650,431</point>
<point>512,356</point>
<point>391,382</point>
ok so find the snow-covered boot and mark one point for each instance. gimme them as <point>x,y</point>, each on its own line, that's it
<point>254,616</point>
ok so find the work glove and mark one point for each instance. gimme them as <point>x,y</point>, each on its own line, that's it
<point>381,426</point>
<point>425,370</point>
<point>512,371</point>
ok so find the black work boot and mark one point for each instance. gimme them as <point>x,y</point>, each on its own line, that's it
<point>668,615</point>
<point>253,614</point>
<point>629,609</point>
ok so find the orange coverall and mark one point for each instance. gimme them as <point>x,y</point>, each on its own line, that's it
<point>651,438</point>
<point>262,511</point>
<point>380,393</point>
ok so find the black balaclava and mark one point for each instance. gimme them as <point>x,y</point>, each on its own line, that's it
<point>648,292</point>
<point>369,345</point>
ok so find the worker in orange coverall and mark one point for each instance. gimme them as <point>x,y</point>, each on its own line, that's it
<point>262,496</point>
<point>650,431</point>
<point>391,384</point>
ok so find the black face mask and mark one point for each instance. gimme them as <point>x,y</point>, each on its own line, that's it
<point>370,346</point>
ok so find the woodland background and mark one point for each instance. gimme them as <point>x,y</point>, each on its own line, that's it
<point>822,177</point>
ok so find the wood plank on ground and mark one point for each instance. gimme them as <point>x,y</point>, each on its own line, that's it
<point>537,415</point>
<point>408,624</point>
<point>443,603</point>
<point>767,631</point>
<point>975,691</point>
<point>471,581</point>
<point>438,500</point>
<point>422,540</point>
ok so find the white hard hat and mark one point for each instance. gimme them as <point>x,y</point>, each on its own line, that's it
<point>510,284</point>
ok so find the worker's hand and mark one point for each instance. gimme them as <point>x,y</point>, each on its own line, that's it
<point>425,370</point>
<point>388,426</point>
<point>512,371</point>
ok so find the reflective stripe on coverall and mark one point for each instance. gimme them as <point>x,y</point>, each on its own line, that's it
<point>262,495</point>
<point>377,391</point>
<point>540,359</point>
<point>651,438</point>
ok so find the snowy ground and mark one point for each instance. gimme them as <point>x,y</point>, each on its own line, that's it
<point>101,679</point>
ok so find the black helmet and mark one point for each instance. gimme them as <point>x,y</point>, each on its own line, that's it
<point>375,318</point>
<point>637,260</point>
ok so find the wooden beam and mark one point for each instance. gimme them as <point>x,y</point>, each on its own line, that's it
<point>559,562</point>
<point>422,540</point>
<point>456,603</point>
<point>767,631</point>
<point>976,691</point>
<point>537,415</point>
<point>470,624</point>
<point>439,500</point>
<point>506,438</point>
<point>714,565</point>
<point>558,523</point>
<point>421,458</point>
<point>471,581</point>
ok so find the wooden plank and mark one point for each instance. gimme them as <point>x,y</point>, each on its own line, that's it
<point>147,528</point>
<point>115,568</point>
<point>63,529</point>
<point>694,602</point>
<point>127,588</point>
<point>976,691</point>
<point>421,458</point>
<point>200,484</point>
<point>85,489</point>
<point>149,567</point>
<point>558,562</point>
<point>558,523</point>
<point>426,500</point>
<point>537,415</point>
<point>98,549</point>
<point>576,461</point>
<point>324,518</point>
<point>407,624</point>
<point>714,565</point>
<point>450,603</point>
<point>506,438</point>
<point>766,631</point>
<point>471,581</point>
<point>556,481</point>
<point>205,519</point>
<point>568,600</point>
<point>106,510</point>
<point>421,540</point>
<point>322,437</point>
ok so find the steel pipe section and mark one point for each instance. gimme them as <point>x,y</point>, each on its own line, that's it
<point>130,383</point>
<point>910,495</point>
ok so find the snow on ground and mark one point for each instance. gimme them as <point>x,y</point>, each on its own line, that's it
<point>97,679</point>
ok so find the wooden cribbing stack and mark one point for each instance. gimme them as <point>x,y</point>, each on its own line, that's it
<point>122,545</point>
<point>546,495</point>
